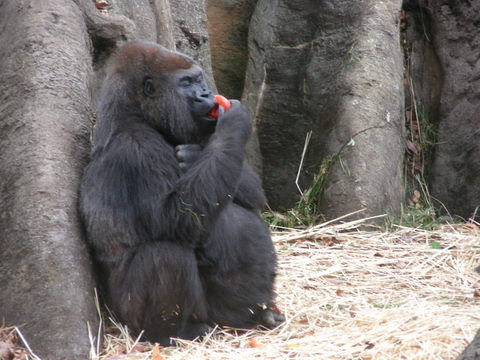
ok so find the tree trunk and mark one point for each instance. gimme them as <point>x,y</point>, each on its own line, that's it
<point>47,284</point>
<point>51,66</point>
<point>456,167</point>
<point>334,68</point>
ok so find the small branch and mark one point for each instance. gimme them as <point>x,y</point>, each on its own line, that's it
<point>346,143</point>
<point>26,344</point>
<point>321,229</point>
<point>305,146</point>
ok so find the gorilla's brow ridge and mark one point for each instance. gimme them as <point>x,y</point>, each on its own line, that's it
<point>155,57</point>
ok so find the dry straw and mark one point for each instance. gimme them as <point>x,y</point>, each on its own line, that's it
<point>351,294</point>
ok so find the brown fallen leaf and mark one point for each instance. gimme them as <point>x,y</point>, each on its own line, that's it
<point>139,348</point>
<point>303,321</point>
<point>111,330</point>
<point>325,263</point>
<point>471,226</point>
<point>329,240</point>
<point>415,196</point>
<point>411,147</point>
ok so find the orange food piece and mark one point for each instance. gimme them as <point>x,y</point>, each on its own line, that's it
<point>222,101</point>
<point>219,101</point>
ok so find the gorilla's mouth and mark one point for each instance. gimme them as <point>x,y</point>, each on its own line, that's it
<point>202,106</point>
<point>206,124</point>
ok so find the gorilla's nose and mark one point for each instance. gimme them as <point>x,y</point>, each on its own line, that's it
<point>203,103</point>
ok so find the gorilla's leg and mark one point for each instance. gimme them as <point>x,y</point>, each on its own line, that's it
<point>156,288</point>
<point>238,269</point>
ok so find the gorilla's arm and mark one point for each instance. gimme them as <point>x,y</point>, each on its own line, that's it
<point>212,181</point>
<point>249,193</point>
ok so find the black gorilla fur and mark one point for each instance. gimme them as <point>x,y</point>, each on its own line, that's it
<point>169,205</point>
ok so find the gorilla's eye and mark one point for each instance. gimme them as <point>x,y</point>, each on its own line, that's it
<point>148,87</point>
<point>186,81</point>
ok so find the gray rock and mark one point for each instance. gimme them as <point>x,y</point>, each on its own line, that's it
<point>456,167</point>
<point>334,68</point>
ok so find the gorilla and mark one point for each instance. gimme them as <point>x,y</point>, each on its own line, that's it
<point>169,205</point>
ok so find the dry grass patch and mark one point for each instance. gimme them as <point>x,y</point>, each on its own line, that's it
<point>13,345</point>
<point>349,294</point>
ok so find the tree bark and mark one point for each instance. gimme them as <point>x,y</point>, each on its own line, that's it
<point>52,62</point>
<point>47,283</point>
<point>456,166</point>
<point>334,68</point>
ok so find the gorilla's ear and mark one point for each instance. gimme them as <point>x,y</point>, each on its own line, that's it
<point>148,87</point>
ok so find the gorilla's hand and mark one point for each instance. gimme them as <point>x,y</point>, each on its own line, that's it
<point>187,155</point>
<point>270,318</point>
<point>235,121</point>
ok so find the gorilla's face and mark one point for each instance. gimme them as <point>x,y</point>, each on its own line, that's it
<point>192,87</point>
<point>178,102</point>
